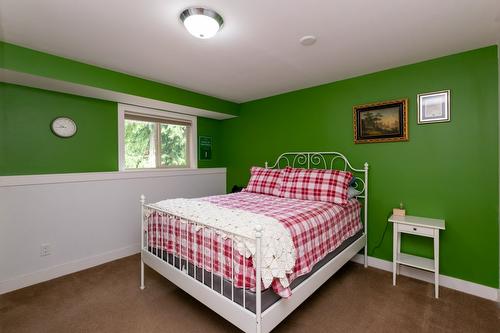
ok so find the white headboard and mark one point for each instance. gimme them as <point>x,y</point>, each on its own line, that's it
<point>324,160</point>
<point>330,160</point>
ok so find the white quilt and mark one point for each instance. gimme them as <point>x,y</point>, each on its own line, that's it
<point>278,251</point>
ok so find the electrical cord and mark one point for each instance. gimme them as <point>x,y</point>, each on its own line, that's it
<point>382,238</point>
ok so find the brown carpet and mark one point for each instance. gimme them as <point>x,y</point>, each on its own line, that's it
<point>107,299</point>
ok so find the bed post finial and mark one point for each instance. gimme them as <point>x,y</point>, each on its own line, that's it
<point>258,231</point>
<point>366,165</point>
<point>265,164</point>
<point>143,199</point>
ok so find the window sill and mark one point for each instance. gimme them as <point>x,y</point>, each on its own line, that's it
<point>157,169</point>
<point>8,181</point>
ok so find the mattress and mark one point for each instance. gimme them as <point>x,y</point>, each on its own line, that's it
<point>268,296</point>
<point>317,229</point>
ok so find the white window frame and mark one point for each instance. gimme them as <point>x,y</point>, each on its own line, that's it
<point>193,142</point>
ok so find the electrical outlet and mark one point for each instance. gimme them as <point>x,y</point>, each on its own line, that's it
<point>45,250</point>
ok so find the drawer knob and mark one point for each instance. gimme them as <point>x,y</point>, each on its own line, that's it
<point>414,229</point>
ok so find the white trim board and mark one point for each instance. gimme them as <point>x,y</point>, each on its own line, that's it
<point>444,281</point>
<point>45,83</point>
<point>8,181</point>
<point>56,271</point>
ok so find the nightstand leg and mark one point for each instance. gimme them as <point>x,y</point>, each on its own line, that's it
<point>398,251</point>
<point>436,263</point>
<point>394,253</point>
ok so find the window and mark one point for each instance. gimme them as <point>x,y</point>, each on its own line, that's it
<point>155,139</point>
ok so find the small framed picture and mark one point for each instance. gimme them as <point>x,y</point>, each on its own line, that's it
<point>433,107</point>
<point>381,122</point>
<point>205,147</point>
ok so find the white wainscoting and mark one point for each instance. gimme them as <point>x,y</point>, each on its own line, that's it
<point>87,218</point>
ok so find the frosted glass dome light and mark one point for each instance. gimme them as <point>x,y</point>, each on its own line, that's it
<point>201,22</point>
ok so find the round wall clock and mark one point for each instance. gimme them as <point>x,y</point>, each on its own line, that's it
<point>63,127</point>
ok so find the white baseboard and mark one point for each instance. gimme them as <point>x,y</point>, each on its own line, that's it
<point>78,265</point>
<point>66,268</point>
<point>445,281</point>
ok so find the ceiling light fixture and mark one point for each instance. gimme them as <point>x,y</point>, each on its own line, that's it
<point>201,22</point>
<point>308,40</point>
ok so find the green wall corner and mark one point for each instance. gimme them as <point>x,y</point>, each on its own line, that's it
<point>445,170</point>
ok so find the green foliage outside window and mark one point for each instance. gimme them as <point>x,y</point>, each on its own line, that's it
<point>140,144</point>
<point>173,145</point>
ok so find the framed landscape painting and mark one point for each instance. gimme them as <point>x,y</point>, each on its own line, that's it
<point>381,122</point>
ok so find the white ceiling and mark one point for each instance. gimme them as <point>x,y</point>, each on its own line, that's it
<point>257,53</point>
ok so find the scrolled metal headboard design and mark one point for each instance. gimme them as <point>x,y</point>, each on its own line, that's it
<point>323,160</point>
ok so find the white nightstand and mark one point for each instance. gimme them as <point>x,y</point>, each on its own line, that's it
<point>420,226</point>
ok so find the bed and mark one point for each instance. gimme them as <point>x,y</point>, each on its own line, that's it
<point>189,242</point>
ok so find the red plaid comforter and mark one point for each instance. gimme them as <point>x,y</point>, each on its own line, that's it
<point>317,228</point>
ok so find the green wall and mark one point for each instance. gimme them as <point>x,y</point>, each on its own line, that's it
<point>31,148</point>
<point>27,145</point>
<point>213,129</point>
<point>446,170</point>
<point>38,63</point>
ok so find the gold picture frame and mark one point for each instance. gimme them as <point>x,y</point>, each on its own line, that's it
<point>381,122</point>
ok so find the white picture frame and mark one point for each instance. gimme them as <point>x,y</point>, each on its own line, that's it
<point>433,107</point>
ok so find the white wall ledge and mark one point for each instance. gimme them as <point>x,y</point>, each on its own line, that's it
<point>23,180</point>
<point>41,82</point>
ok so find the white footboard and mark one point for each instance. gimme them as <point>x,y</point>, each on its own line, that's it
<point>191,255</point>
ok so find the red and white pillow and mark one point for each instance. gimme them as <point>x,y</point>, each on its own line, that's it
<point>316,184</point>
<point>265,181</point>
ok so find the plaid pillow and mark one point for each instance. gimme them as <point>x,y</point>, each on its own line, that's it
<point>316,185</point>
<point>265,181</point>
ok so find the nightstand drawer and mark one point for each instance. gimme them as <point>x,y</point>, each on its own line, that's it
<point>409,229</point>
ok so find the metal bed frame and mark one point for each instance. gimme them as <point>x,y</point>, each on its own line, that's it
<point>212,295</point>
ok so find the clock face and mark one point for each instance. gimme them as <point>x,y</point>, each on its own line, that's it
<point>63,127</point>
